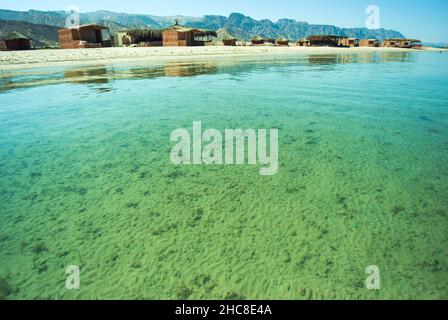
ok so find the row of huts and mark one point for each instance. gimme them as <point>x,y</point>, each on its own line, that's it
<point>341,41</point>
<point>97,36</point>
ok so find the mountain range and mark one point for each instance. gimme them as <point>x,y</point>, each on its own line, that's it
<point>237,24</point>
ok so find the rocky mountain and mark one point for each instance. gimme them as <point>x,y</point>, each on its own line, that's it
<point>43,36</point>
<point>245,27</point>
<point>237,24</point>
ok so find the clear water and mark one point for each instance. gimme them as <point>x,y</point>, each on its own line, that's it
<point>86,180</point>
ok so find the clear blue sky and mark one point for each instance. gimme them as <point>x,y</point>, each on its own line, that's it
<point>424,19</point>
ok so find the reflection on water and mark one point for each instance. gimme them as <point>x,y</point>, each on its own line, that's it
<point>94,76</point>
<point>10,80</point>
<point>363,57</point>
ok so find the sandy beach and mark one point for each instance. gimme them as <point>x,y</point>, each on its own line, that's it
<point>15,60</point>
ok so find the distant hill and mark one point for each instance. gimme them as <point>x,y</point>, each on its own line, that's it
<point>245,27</point>
<point>239,25</point>
<point>440,45</point>
<point>51,18</point>
<point>43,36</point>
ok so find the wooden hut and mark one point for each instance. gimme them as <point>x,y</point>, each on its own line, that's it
<point>85,36</point>
<point>225,38</point>
<point>403,43</point>
<point>180,36</point>
<point>139,37</point>
<point>303,43</point>
<point>257,40</point>
<point>16,41</point>
<point>369,43</point>
<point>321,41</point>
<point>229,41</point>
<point>282,41</point>
<point>349,42</point>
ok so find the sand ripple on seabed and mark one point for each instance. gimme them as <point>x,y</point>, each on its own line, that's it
<point>360,183</point>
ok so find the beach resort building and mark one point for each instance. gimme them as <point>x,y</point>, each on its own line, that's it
<point>15,41</point>
<point>180,36</point>
<point>139,37</point>
<point>349,42</point>
<point>403,43</point>
<point>369,43</point>
<point>85,36</point>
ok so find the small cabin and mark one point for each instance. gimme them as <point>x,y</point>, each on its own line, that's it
<point>257,40</point>
<point>282,42</point>
<point>304,43</point>
<point>85,36</point>
<point>180,36</point>
<point>225,38</point>
<point>15,41</point>
<point>369,43</point>
<point>229,41</point>
<point>402,43</point>
<point>139,37</point>
<point>349,42</point>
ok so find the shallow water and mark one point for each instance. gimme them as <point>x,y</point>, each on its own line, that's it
<point>86,180</point>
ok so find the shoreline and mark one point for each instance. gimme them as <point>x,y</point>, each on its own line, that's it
<point>46,58</point>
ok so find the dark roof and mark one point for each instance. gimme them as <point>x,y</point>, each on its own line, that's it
<point>141,35</point>
<point>15,35</point>
<point>402,39</point>
<point>325,36</point>
<point>258,38</point>
<point>89,26</point>
<point>196,32</point>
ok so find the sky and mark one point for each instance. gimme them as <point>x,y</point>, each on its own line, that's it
<point>423,19</point>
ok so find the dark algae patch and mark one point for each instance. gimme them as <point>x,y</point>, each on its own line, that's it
<point>5,289</point>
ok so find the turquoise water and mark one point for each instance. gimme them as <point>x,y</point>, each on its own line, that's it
<point>86,180</point>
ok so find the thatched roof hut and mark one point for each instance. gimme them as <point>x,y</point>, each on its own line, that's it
<point>257,40</point>
<point>282,41</point>
<point>146,37</point>
<point>16,41</point>
<point>178,35</point>
<point>226,38</point>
